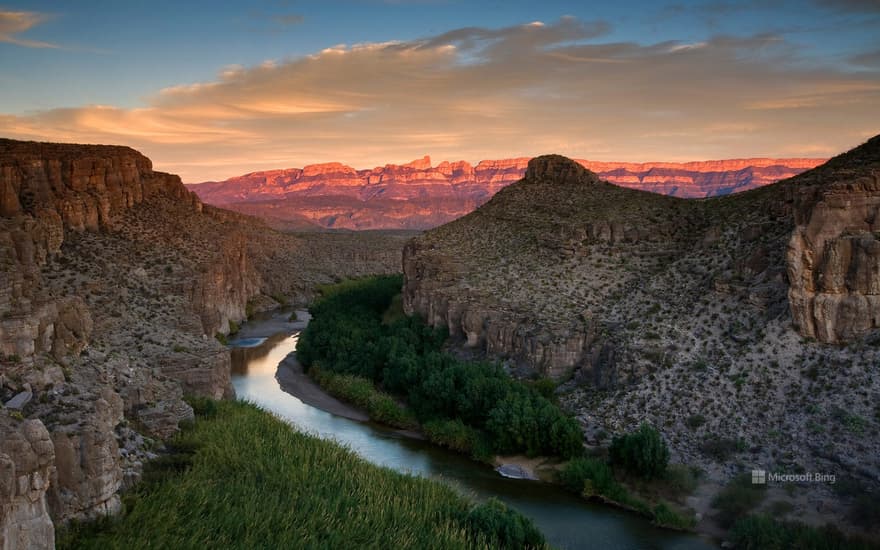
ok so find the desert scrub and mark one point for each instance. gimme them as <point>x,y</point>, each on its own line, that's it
<point>761,532</point>
<point>242,478</point>
<point>737,499</point>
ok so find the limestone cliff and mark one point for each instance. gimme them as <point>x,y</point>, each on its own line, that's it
<point>709,318</point>
<point>834,252</point>
<point>419,195</point>
<point>114,280</point>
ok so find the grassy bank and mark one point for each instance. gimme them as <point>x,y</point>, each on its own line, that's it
<point>241,478</point>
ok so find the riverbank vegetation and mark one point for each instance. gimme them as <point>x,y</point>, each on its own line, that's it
<point>469,406</point>
<point>359,340</point>
<point>241,478</point>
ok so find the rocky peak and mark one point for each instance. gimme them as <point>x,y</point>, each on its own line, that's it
<point>423,163</point>
<point>558,169</point>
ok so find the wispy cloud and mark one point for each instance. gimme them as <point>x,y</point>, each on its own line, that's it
<point>477,93</point>
<point>14,23</point>
<point>288,19</point>
<point>859,6</point>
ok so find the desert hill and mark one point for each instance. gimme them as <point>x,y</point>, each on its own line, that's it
<point>747,322</point>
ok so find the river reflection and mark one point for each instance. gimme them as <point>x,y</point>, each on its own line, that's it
<point>566,520</point>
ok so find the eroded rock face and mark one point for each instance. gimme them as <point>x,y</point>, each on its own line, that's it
<point>27,459</point>
<point>834,259</point>
<point>419,195</point>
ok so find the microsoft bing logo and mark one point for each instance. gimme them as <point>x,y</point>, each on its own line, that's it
<point>759,477</point>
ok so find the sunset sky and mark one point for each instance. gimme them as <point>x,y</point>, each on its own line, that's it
<point>211,90</point>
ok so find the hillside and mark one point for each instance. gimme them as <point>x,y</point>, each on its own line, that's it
<point>418,195</point>
<point>115,281</point>
<point>745,326</point>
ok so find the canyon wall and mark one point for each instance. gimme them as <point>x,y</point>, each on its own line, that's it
<point>834,257</point>
<point>114,281</point>
<point>418,195</point>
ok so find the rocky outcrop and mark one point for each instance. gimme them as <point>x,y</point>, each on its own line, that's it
<point>418,195</point>
<point>27,463</point>
<point>834,258</point>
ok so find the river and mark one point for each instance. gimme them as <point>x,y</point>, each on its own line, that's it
<point>566,520</point>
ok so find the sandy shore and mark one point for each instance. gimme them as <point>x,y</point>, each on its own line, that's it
<point>296,382</point>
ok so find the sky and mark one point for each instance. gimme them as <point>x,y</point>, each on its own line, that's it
<point>210,90</point>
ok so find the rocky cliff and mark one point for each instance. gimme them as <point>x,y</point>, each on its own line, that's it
<point>709,318</point>
<point>114,280</point>
<point>419,195</point>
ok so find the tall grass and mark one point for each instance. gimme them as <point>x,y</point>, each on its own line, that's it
<point>241,478</point>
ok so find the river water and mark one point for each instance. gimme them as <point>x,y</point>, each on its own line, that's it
<point>567,521</point>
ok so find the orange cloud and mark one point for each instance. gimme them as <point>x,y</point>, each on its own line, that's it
<point>477,93</point>
<point>13,23</point>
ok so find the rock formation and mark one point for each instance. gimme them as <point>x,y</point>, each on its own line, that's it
<point>114,280</point>
<point>709,318</point>
<point>834,254</point>
<point>418,195</point>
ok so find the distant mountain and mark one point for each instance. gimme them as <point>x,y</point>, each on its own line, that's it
<point>418,195</point>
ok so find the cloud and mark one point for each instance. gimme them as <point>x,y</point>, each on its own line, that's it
<point>13,23</point>
<point>858,6</point>
<point>867,59</point>
<point>476,93</point>
<point>288,20</point>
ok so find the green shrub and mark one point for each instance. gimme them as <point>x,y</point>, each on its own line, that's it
<point>505,527</point>
<point>455,435</point>
<point>642,452</point>
<point>665,516</point>
<point>737,499</point>
<point>761,532</point>
<point>361,392</point>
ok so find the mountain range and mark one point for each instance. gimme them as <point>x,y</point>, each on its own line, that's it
<point>419,195</point>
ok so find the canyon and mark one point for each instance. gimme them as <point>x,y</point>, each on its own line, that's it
<point>117,286</point>
<point>750,321</point>
<point>419,195</point>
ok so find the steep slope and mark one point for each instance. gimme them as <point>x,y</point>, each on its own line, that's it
<point>418,195</point>
<point>670,310</point>
<point>114,280</point>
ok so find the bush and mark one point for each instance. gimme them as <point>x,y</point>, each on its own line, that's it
<point>721,448</point>
<point>507,529</point>
<point>665,516</point>
<point>380,407</point>
<point>455,435</point>
<point>643,452</point>
<point>737,499</point>
<point>761,532</point>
